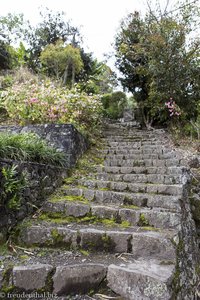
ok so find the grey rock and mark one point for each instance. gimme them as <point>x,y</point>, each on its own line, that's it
<point>39,235</point>
<point>118,186</point>
<point>161,219</point>
<point>77,278</point>
<point>153,245</point>
<point>130,215</point>
<point>104,212</point>
<point>120,241</point>
<point>76,209</point>
<point>32,277</point>
<point>91,239</point>
<point>54,206</point>
<point>89,194</point>
<point>144,280</point>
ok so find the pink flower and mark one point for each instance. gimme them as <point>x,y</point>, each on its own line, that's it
<point>33,100</point>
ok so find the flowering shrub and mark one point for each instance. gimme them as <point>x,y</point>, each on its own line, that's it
<point>173,108</point>
<point>32,103</point>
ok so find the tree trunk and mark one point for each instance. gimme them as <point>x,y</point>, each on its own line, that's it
<point>65,75</point>
<point>73,75</point>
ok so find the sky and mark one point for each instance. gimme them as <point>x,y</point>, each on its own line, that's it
<point>98,20</point>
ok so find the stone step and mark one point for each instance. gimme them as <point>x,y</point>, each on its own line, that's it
<point>76,273</point>
<point>166,189</point>
<point>124,198</point>
<point>140,170</point>
<point>66,280</point>
<point>158,218</point>
<point>140,156</point>
<point>148,145</point>
<point>131,138</point>
<point>143,244</point>
<point>141,178</point>
<point>131,162</point>
<point>144,280</point>
<point>138,150</point>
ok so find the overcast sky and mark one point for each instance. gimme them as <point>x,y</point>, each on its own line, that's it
<point>98,20</point>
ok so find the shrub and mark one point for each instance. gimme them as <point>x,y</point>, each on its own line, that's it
<point>114,104</point>
<point>29,147</point>
<point>44,102</point>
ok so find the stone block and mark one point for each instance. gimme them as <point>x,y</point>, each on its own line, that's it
<point>152,244</point>
<point>77,279</point>
<point>154,280</point>
<point>76,209</point>
<point>104,212</point>
<point>129,215</point>
<point>32,277</point>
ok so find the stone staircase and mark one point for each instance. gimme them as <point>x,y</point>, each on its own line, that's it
<point>120,226</point>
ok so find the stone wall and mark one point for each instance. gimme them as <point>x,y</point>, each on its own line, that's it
<point>64,137</point>
<point>43,179</point>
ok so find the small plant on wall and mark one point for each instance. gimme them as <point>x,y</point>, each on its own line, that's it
<point>12,186</point>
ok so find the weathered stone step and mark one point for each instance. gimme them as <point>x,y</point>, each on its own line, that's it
<point>140,243</point>
<point>158,218</point>
<point>131,138</point>
<point>140,170</point>
<point>141,178</point>
<point>131,162</point>
<point>165,189</point>
<point>71,279</point>
<point>139,156</point>
<point>148,145</point>
<point>140,150</point>
<point>142,280</point>
<point>124,198</point>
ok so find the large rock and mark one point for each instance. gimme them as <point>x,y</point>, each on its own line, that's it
<point>152,244</point>
<point>31,278</point>
<point>78,278</point>
<point>142,280</point>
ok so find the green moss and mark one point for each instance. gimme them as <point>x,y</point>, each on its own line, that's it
<point>125,224</point>
<point>7,287</point>
<point>104,189</point>
<point>150,228</point>
<point>130,206</point>
<point>108,222</point>
<point>84,252</point>
<point>143,221</point>
<point>107,243</point>
<point>60,218</point>
<point>72,198</point>
<point>24,257</point>
<point>57,237</point>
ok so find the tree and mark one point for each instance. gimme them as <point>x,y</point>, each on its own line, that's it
<point>158,59</point>
<point>11,29</point>
<point>96,77</point>
<point>62,61</point>
<point>53,28</point>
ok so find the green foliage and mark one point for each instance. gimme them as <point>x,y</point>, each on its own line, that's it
<point>62,61</point>
<point>53,27</point>
<point>143,221</point>
<point>114,104</point>
<point>29,147</point>
<point>45,102</point>
<point>12,185</point>
<point>159,57</point>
